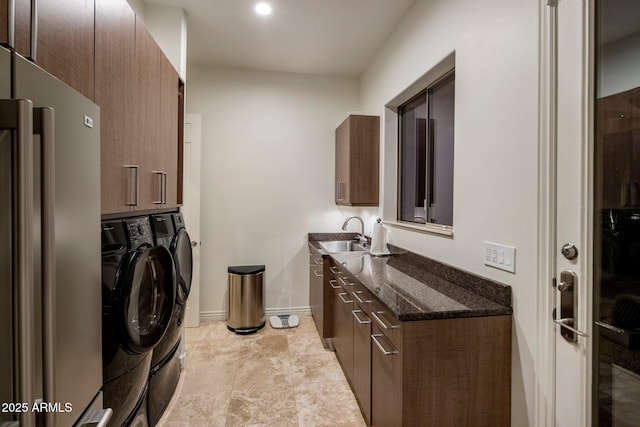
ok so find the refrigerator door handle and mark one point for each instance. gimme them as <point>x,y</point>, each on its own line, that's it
<point>17,115</point>
<point>98,419</point>
<point>44,124</point>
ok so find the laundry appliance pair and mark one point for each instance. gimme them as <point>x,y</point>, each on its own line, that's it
<point>145,284</point>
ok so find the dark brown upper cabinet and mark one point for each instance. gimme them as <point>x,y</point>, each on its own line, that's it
<point>357,161</point>
<point>65,42</point>
<point>114,84</point>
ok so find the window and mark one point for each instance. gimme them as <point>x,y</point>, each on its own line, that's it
<point>425,173</point>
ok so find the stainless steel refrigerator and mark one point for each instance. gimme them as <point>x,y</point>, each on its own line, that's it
<point>50,290</point>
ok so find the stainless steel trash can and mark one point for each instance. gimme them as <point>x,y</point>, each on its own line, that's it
<point>246,306</point>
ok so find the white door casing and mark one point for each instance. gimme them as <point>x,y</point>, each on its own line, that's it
<point>566,206</point>
<point>191,209</point>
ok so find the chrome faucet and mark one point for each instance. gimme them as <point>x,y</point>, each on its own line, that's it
<point>360,236</point>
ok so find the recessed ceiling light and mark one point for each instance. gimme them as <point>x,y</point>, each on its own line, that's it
<point>263,8</point>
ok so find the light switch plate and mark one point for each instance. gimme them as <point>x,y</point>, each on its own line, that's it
<point>499,256</point>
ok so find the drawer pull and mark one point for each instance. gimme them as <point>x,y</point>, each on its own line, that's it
<point>356,314</point>
<point>381,322</point>
<point>334,284</point>
<point>344,282</point>
<point>334,270</point>
<point>341,295</point>
<point>317,274</point>
<point>384,351</point>
<point>360,300</point>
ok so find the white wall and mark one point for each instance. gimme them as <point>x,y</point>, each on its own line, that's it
<point>137,6</point>
<point>495,173</point>
<point>168,26</point>
<point>267,175</point>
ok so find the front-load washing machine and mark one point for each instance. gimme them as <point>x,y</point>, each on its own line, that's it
<point>165,362</point>
<point>138,294</point>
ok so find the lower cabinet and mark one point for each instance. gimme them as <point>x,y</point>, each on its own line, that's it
<point>386,381</point>
<point>352,336</point>
<point>445,372</point>
<point>361,381</point>
<point>442,372</point>
<point>316,290</point>
<point>343,331</point>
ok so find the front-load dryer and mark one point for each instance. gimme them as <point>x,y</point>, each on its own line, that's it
<point>138,294</point>
<point>165,364</point>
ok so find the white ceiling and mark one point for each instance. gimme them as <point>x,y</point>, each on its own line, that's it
<point>334,37</point>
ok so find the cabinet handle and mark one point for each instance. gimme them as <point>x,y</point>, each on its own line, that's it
<point>334,284</point>
<point>34,29</point>
<point>381,322</point>
<point>356,314</point>
<point>315,272</point>
<point>334,270</point>
<point>134,185</point>
<point>317,261</point>
<point>11,22</point>
<point>160,182</point>
<point>384,351</point>
<point>341,295</point>
<point>164,188</point>
<point>360,300</point>
<point>344,283</point>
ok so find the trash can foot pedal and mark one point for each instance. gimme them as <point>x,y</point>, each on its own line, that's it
<point>284,321</point>
<point>245,331</point>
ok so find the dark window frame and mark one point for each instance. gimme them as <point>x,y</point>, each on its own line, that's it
<point>419,196</point>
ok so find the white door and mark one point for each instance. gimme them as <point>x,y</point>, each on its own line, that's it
<point>593,62</point>
<point>191,209</point>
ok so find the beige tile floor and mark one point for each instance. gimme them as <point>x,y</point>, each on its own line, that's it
<point>276,377</point>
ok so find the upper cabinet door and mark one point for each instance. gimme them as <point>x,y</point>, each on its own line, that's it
<point>147,129</point>
<point>169,141</point>
<point>114,70</point>
<point>357,158</point>
<point>65,42</point>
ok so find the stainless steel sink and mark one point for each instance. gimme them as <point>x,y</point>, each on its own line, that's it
<point>337,246</point>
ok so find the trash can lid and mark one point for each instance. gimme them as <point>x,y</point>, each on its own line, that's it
<point>246,269</point>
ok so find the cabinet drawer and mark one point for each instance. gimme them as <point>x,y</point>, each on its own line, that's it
<point>388,324</point>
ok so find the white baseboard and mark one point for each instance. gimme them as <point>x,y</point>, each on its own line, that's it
<point>210,316</point>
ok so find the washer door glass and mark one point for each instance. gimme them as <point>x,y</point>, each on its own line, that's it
<point>145,292</point>
<point>181,251</point>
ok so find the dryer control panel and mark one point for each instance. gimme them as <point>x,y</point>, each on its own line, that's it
<point>138,231</point>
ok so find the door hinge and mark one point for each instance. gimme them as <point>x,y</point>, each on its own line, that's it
<point>553,282</point>
<point>552,3</point>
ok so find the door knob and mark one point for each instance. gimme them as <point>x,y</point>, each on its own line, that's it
<point>569,251</point>
<point>194,243</point>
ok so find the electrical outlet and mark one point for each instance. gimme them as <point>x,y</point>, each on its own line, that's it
<point>500,256</point>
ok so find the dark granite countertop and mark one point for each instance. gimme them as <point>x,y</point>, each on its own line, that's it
<point>418,288</point>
